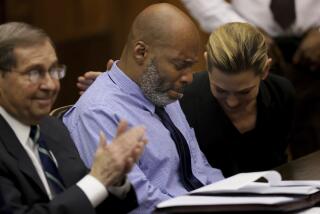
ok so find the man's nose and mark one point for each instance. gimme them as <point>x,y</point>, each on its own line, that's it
<point>187,77</point>
<point>48,82</point>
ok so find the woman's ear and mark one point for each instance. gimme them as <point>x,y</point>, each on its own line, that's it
<point>266,70</point>
<point>140,52</point>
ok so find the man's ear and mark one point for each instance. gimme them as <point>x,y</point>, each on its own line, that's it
<point>205,55</point>
<point>266,70</point>
<point>140,52</point>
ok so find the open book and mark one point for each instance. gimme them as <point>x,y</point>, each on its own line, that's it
<point>242,192</point>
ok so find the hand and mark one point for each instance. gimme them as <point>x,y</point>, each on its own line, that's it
<point>308,52</point>
<point>113,161</point>
<point>86,80</point>
<point>89,77</point>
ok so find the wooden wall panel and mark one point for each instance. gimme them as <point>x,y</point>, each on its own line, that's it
<point>87,32</point>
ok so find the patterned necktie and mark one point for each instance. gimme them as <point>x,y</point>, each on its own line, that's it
<point>189,181</point>
<point>48,164</point>
<point>283,12</point>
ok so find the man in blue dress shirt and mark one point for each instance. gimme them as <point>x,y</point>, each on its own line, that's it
<point>154,67</point>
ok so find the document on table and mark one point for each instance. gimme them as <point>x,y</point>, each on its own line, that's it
<point>245,183</point>
<point>242,189</point>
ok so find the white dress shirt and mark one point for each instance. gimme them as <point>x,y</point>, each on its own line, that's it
<point>213,13</point>
<point>92,188</point>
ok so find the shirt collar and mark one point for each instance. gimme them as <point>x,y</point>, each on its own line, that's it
<point>129,86</point>
<point>21,130</point>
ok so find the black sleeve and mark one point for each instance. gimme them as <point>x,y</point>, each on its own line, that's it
<point>115,205</point>
<point>73,200</point>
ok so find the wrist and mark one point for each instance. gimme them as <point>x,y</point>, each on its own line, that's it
<point>120,182</point>
<point>102,179</point>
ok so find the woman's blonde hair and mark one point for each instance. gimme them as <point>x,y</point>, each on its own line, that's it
<point>237,47</point>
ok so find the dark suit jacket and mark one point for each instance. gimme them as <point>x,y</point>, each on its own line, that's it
<point>22,188</point>
<point>3,206</point>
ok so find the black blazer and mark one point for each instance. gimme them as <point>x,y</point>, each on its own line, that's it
<point>3,206</point>
<point>225,147</point>
<point>22,188</point>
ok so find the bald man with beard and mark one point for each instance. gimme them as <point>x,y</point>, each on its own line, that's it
<point>155,66</point>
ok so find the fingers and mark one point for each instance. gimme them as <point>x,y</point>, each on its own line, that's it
<point>137,151</point>
<point>83,83</point>
<point>137,132</point>
<point>122,127</point>
<point>130,138</point>
<point>86,80</point>
<point>92,75</point>
<point>102,140</point>
<point>109,64</point>
<point>135,155</point>
<point>129,164</point>
<point>134,136</point>
<point>130,145</point>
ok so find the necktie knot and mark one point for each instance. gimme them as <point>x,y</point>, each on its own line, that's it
<point>160,111</point>
<point>35,133</point>
<point>164,117</point>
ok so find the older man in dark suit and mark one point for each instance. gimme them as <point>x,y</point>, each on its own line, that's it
<point>40,169</point>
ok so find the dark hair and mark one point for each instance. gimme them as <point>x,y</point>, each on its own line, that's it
<point>14,34</point>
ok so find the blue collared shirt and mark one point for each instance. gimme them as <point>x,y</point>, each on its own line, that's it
<point>114,96</point>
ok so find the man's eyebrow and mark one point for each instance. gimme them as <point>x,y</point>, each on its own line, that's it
<point>39,65</point>
<point>184,61</point>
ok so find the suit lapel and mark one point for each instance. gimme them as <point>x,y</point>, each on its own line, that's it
<point>14,147</point>
<point>62,154</point>
<point>51,145</point>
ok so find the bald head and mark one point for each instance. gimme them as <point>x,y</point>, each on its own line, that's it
<point>162,46</point>
<point>160,23</point>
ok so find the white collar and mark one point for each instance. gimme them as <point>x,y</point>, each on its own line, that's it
<point>21,130</point>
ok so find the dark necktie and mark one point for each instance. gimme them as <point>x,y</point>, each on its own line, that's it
<point>283,12</point>
<point>188,179</point>
<point>49,167</point>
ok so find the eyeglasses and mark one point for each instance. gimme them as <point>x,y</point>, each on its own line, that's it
<point>56,72</point>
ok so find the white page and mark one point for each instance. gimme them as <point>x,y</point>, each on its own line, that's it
<point>313,210</point>
<point>314,183</point>
<point>264,188</point>
<point>244,183</point>
<point>240,180</point>
<point>192,200</point>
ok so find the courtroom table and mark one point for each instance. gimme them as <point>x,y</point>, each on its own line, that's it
<point>304,168</point>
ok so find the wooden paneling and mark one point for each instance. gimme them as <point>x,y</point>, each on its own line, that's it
<point>86,32</point>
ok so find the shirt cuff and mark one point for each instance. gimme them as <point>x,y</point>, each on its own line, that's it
<point>120,191</point>
<point>93,189</point>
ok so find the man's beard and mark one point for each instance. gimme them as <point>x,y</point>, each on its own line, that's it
<point>154,87</point>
